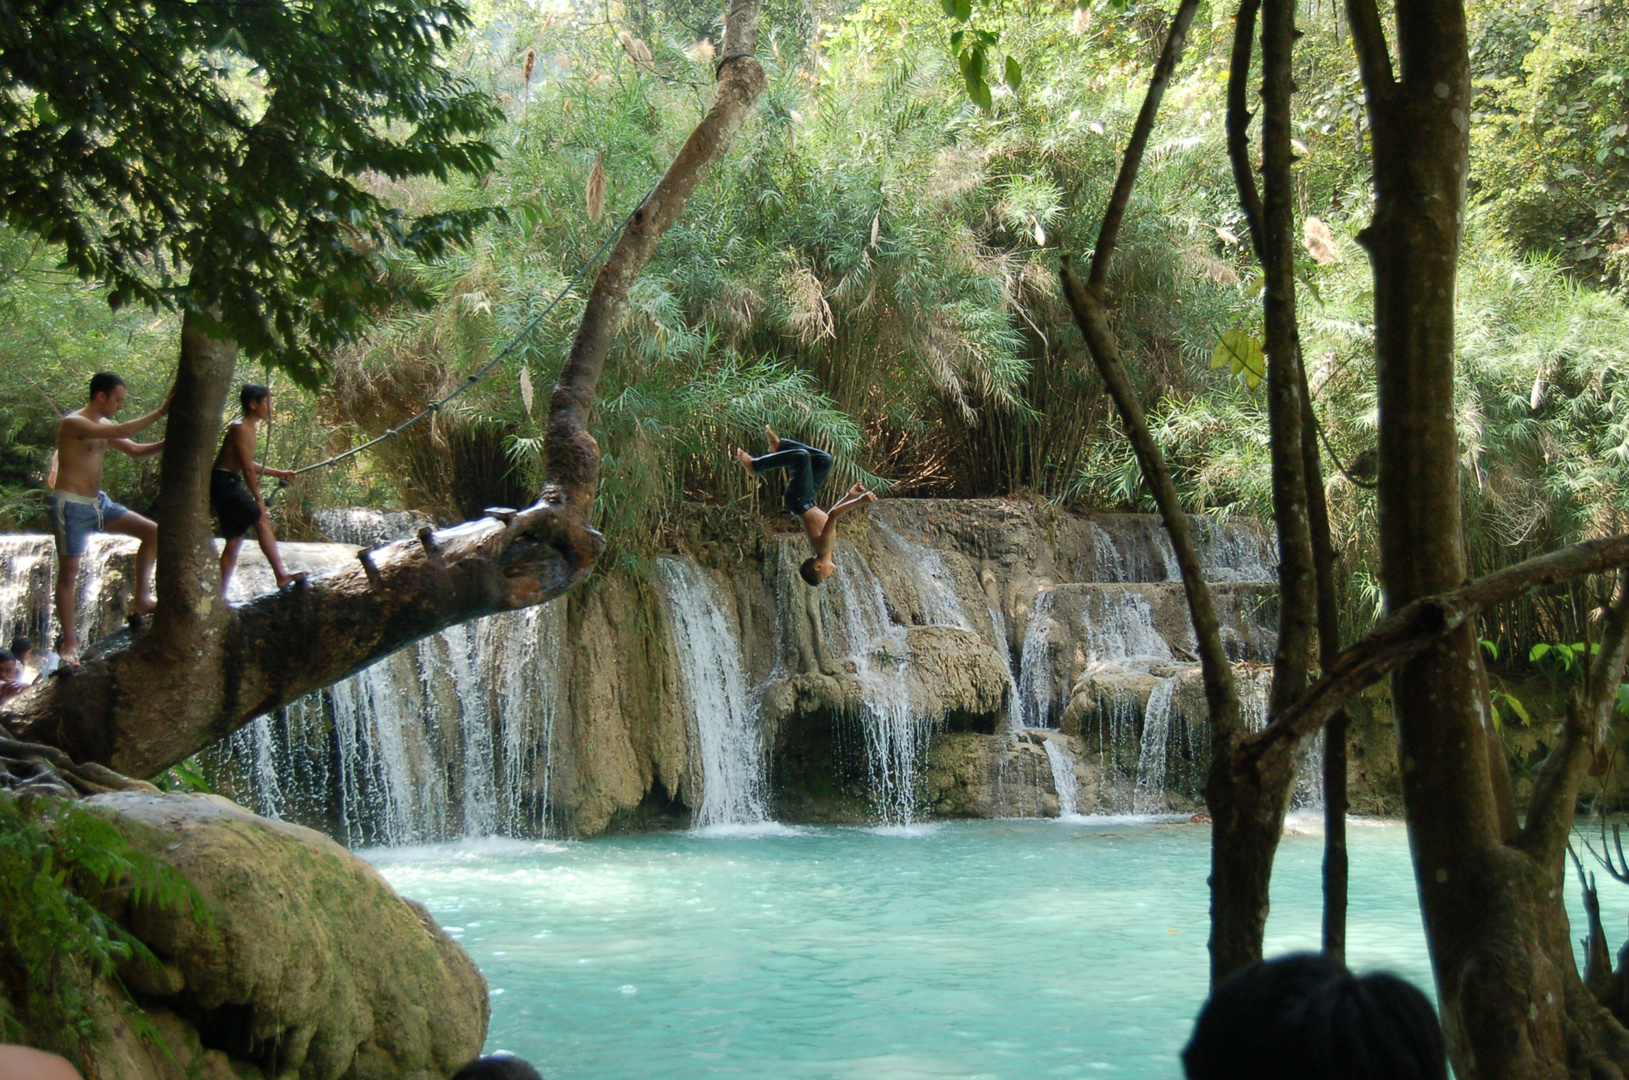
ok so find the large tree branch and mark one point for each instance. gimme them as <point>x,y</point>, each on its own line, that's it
<point>573,455</point>
<point>1411,630</point>
<point>134,708</point>
<point>1108,234</point>
<point>140,705</point>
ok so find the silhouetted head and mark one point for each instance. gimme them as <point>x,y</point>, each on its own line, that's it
<point>1305,1017</point>
<point>251,396</point>
<point>497,1067</point>
<point>21,649</point>
<point>107,392</point>
<point>8,666</point>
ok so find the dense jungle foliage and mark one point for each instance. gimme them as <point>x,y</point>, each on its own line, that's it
<point>875,271</point>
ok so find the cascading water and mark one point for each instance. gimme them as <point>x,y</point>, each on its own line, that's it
<point>935,588</point>
<point>28,575</point>
<point>727,733</point>
<point>448,738</point>
<point>1120,628</point>
<point>1064,781</point>
<point>1254,694</point>
<point>1037,698</point>
<point>896,736</point>
<point>1148,797</point>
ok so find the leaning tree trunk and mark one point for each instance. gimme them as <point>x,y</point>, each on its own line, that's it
<point>1247,813</point>
<point>141,704</point>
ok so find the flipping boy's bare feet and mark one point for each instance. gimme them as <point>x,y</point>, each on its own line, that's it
<point>292,579</point>
<point>746,461</point>
<point>143,607</point>
<point>856,491</point>
<point>774,439</point>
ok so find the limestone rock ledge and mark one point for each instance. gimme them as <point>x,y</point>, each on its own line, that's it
<point>313,968</point>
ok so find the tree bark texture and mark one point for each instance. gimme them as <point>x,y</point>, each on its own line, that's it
<point>143,702</point>
<point>1490,899</point>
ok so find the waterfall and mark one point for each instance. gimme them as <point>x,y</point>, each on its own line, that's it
<point>28,576</point>
<point>935,588</point>
<point>1110,561</point>
<point>896,738</point>
<point>728,740</point>
<point>1120,627</point>
<point>449,737</point>
<point>1148,797</point>
<point>1254,693</point>
<point>1037,697</point>
<point>1064,780</point>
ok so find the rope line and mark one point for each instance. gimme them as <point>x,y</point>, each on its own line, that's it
<point>470,380</point>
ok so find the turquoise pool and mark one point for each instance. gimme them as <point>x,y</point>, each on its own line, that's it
<point>1000,949</point>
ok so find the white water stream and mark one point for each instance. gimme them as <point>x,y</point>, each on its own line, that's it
<point>896,735</point>
<point>726,731</point>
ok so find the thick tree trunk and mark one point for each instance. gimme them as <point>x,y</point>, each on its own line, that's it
<point>1490,898</point>
<point>142,703</point>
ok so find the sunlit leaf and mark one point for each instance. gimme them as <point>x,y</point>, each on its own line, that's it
<point>1241,353</point>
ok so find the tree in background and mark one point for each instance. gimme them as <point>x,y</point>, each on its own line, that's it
<point>279,246</point>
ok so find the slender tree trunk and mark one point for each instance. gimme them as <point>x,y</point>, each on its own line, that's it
<point>1247,809</point>
<point>141,704</point>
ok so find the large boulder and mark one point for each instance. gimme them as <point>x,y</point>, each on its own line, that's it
<point>310,965</point>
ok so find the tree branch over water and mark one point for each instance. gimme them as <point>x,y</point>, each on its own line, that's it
<point>1414,628</point>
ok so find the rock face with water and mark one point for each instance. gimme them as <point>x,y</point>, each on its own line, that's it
<point>978,657</point>
<point>310,965</point>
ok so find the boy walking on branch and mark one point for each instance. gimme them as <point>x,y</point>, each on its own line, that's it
<point>806,469</point>
<point>78,506</point>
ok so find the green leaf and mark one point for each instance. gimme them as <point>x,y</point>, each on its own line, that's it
<point>950,7</point>
<point>1514,704</point>
<point>1538,652</point>
<point>1241,353</point>
<point>1491,647</point>
<point>962,9</point>
<point>1015,73</point>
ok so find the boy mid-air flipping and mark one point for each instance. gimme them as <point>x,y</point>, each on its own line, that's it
<point>806,470</point>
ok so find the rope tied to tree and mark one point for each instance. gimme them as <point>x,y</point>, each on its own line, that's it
<point>502,354</point>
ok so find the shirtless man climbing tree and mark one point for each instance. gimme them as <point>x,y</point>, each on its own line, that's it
<point>806,469</point>
<point>78,506</point>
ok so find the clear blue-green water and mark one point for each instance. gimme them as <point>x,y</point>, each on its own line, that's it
<point>1002,949</point>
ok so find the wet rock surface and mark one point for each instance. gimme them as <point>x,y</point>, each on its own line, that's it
<point>309,965</point>
<point>947,621</point>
